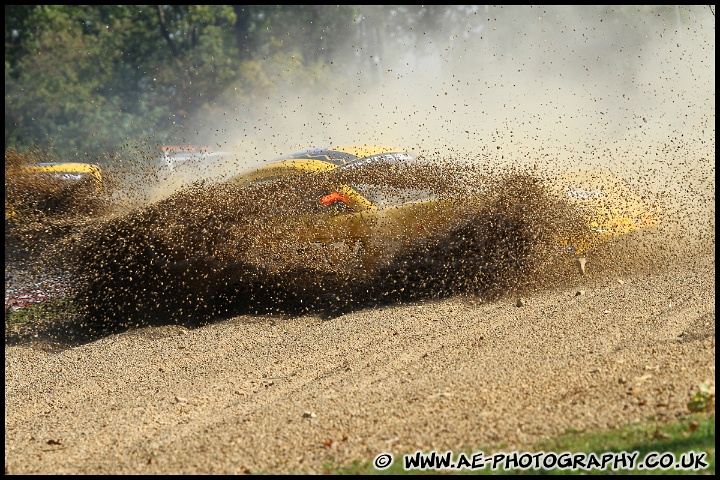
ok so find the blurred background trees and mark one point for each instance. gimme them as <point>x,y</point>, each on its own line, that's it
<point>88,78</point>
<point>84,79</point>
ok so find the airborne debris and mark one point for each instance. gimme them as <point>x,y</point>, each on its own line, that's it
<point>214,249</point>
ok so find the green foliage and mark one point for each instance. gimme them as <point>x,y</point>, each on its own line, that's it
<point>693,433</point>
<point>93,76</point>
<point>89,78</point>
<point>54,310</point>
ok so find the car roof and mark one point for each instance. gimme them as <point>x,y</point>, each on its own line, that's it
<point>185,148</point>
<point>322,159</point>
<point>49,167</point>
<point>340,155</point>
<point>45,168</point>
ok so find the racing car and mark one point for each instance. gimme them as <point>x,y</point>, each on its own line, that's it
<point>357,218</point>
<point>51,189</point>
<point>330,224</point>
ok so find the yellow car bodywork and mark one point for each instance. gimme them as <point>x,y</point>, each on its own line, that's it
<point>319,160</point>
<point>26,184</point>
<point>333,235</point>
<point>60,168</point>
<point>610,207</point>
<point>362,231</point>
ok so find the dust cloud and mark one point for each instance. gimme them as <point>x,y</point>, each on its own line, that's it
<point>215,250</point>
<point>518,94</point>
<point>590,85</point>
<point>625,89</point>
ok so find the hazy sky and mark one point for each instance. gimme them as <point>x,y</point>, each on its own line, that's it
<point>561,86</point>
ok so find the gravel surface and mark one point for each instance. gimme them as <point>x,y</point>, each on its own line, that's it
<point>295,393</point>
<point>272,394</point>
